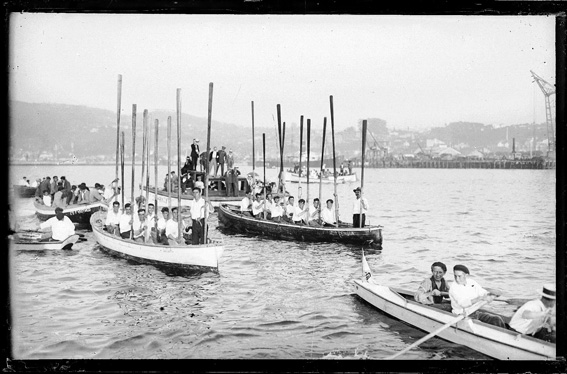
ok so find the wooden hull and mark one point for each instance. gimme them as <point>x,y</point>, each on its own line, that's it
<point>24,191</point>
<point>294,178</point>
<point>232,220</point>
<point>215,198</point>
<point>24,244</point>
<point>490,340</point>
<point>80,214</point>
<point>182,257</point>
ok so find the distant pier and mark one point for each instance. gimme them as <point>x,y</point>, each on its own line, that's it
<point>466,164</point>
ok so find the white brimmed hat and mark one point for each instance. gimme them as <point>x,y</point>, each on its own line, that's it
<point>549,291</point>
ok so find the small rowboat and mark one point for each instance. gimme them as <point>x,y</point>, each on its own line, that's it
<point>230,218</point>
<point>24,191</point>
<point>34,242</point>
<point>490,340</point>
<point>181,257</point>
<point>77,213</point>
<point>294,178</point>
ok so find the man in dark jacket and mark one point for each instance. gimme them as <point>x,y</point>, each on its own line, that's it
<point>221,158</point>
<point>195,153</point>
<point>185,175</point>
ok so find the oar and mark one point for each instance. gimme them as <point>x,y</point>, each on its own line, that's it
<point>440,329</point>
<point>133,199</point>
<point>334,162</point>
<point>119,99</point>
<point>178,107</point>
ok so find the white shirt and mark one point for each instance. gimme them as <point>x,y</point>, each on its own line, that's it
<point>197,208</point>
<point>356,206</point>
<point>47,200</point>
<point>257,207</point>
<point>528,326</point>
<point>60,230</point>
<point>328,216</point>
<point>245,204</point>
<point>462,295</point>
<point>276,211</point>
<point>113,218</point>
<point>125,222</point>
<point>312,215</point>
<point>299,214</point>
<point>171,228</point>
<point>162,223</point>
<point>23,182</point>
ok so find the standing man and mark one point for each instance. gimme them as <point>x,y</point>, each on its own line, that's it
<point>359,208</point>
<point>230,159</point>
<point>53,187</point>
<point>221,158</point>
<point>349,167</point>
<point>213,161</point>
<point>195,153</point>
<point>60,225</point>
<point>197,209</point>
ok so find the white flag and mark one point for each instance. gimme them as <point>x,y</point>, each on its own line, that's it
<point>366,273</point>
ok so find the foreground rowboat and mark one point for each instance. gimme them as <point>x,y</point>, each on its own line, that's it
<point>231,219</point>
<point>23,242</point>
<point>77,213</point>
<point>490,340</point>
<point>24,191</point>
<point>183,257</point>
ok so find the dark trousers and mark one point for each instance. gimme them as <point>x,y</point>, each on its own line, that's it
<point>221,169</point>
<point>489,318</point>
<point>125,235</point>
<point>198,227</point>
<point>194,161</point>
<point>356,220</point>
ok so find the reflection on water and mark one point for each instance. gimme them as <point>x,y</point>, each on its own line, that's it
<point>290,300</point>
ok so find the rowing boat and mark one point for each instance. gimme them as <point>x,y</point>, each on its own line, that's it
<point>182,257</point>
<point>490,340</point>
<point>77,213</point>
<point>295,178</point>
<point>24,191</point>
<point>34,242</point>
<point>231,219</point>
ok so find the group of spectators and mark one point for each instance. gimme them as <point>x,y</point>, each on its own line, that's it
<point>536,317</point>
<point>60,193</point>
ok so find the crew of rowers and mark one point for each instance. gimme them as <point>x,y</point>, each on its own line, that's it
<point>135,223</point>
<point>536,317</point>
<point>60,193</point>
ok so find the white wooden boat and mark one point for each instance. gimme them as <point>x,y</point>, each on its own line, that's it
<point>34,242</point>
<point>186,256</point>
<point>490,340</point>
<point>294,178</point>
<point>77,213</point>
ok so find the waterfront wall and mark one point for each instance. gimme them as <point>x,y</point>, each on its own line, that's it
<point>466,164</point>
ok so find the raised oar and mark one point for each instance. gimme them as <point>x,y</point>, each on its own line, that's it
<point>168,163</point>
<point>334,161</point>
<point>144,143</point>
<point>322,157</point>
<point>364,124</point>
<point>300,152</point>
<point>123,192</point>
<point>470,310</point>
<point>118,100</point>
<point>133,165</point>
<point>180,220</point>
<point>253,150</point>
<point>209,122</point>
<point>264,157</point>
<point>156,177</point>
<point>308,155</point>
<point>148,130</point>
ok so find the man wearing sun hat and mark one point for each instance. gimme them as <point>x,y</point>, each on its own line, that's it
<point>537,317</point>
<point>359,208</point>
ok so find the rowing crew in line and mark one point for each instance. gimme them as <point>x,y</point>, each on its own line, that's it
<point>535,318</point>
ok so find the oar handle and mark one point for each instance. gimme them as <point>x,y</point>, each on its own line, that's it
<point>440,329</point>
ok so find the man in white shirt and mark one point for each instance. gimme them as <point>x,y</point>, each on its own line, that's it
<point>537,317</point>
<point>140,226</point>
<point>289,209</point>
<point>359,209</point>
<point>213,166</point>
<point>257,207</point>
<point>24,182</point>
<point>276,210</point>
<point>172,229</point>
<point>112,222</point>
<point>197,207</point>
<point>61,226</point>
<point>314,218</point>
<point>466,292</point>
<point>126,221</point>
<point>246,205</point>
<point>162,223</point>
<point>151,220</point>
<point>328,215</point>
<point>301,213</point>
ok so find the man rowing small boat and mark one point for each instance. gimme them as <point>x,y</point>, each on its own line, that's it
<point>60,225</point>
<point>537,317</point>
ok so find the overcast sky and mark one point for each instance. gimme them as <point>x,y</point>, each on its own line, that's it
<point>412,71</point>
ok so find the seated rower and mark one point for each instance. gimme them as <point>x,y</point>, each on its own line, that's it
<point>140,226</point>
<point>328,215</point>
<point>276,211</point>
<point>126,220</point>
<point>433,289</point>
<point>537,317</point>
<point>301,214</point>
<point>60,225</point>
<point>112,222</point>
<point>269,205</point>
<point>161,225</point>
<point>289,209</point>
<point>258,206</point>
<point>172,229</point>
<point>314,217</point>
<point>466,292</point>
<point>246,205</point>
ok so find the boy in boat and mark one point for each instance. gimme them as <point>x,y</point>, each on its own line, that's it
<point>432,290</point>
<point>276,210</point>
<point>359,209</point>
<point>60,225</point>
<point>140,226</point>
<point>126,221</point>
<point>537,317</point>
<point>289,209</point>
<point>328,215</point>
<point>112,222</point>
<point>258,207</point>
<point>172,229</point>
<point>46,198</point>
<point>301,213</point>
<point>315,213</point>
<point>161,225</point>
<point>84,194</point>
<point>246,205</point>
<point>466,292</point>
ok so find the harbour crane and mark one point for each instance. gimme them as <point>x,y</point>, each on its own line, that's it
<point>547,90</point>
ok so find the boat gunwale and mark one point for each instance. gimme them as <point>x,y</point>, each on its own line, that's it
<point>512,334</point>
<point>49,210</point>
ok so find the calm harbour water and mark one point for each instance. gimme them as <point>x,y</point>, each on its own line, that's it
<point>286,300</point>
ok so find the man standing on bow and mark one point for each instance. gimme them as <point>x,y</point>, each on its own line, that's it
<point>359,209</point>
